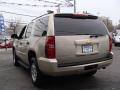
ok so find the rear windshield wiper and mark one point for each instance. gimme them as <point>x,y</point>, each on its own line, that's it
<point>96,35</point>
<point>92,35</point>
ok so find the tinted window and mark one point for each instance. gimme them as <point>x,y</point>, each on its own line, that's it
<point>21,35</point>
<point>41,25</point>
<point>28,31</point>
<point>71,26</point>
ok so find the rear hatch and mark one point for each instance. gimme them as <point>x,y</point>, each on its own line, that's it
<point>80,39</point>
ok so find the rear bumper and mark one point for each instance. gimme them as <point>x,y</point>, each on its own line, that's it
<point>116,41</point>
<point>50,67</point>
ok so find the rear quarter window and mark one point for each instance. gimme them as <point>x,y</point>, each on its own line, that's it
<point>40,26</point>
<point>71,26</point>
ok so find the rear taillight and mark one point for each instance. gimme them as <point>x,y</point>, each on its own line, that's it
<point>50,47</point>
<point>110,43</point>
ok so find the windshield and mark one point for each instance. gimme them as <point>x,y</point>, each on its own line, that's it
<point>70,26</point>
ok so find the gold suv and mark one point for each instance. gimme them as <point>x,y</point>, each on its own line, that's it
<point>63,44</point>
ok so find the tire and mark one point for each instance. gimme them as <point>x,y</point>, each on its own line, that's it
<point>15,59</point>
<point>115,44</point>
<point>36,75</point>
<point>91,73</point>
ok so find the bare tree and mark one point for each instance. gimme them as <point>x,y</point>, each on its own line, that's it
<point>108,23</point>
<point>118,26</point>
<point>14,26</point>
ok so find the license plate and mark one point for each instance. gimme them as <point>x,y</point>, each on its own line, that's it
<point>87,48</point>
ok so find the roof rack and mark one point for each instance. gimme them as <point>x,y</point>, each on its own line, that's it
<point>48,12</point>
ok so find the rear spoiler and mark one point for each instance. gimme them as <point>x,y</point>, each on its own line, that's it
<point>77,16</point>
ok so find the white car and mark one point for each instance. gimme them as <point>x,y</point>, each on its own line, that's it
<point>117,39</point>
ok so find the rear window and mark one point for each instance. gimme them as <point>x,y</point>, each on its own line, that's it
<point>73,26</point>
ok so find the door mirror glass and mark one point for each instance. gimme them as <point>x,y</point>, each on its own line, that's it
<point>14,36</point>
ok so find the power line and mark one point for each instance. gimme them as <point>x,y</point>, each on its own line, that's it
<point>61,2</point>
<point>48,1</point>
<point>17,14</point>
<point>32,5</point>
<point>66,4</point>
<point>14,22</point>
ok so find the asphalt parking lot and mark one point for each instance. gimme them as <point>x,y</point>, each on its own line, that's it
<point>18,78</point>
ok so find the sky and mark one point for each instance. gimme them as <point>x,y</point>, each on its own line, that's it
<point>108,8</point>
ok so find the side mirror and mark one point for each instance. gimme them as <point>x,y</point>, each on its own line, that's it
<point>14,36</point>
<point>44,33</point>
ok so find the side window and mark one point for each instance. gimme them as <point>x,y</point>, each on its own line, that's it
<point>28,30</point>
<point>41,25</point>
<point>21,34</point>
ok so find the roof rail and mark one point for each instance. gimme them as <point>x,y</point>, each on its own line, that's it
<point>48,12</point>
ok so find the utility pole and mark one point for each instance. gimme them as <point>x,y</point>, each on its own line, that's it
<point>74,6</point>
<point>58,9</point>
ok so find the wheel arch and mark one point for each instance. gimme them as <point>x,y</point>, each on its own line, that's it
<point>31,53</point>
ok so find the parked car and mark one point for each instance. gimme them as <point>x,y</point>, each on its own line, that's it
<point>1,41</point>
<point>117,39</point>
<point>3,37</point>
<point>63,44</point>
<point>114,34</point>
<point>7,44</point>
